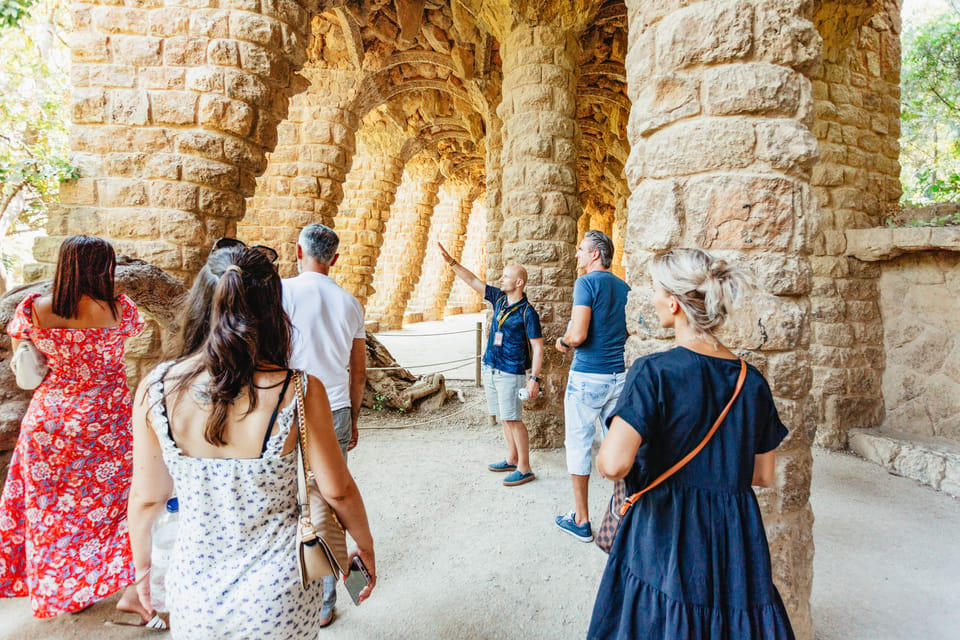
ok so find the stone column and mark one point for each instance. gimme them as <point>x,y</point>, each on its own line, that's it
<point>462,297</point>
<point>369,191</point>
<point>721,156</point>
<point>306,172</point>
<point>449,227</point>
<point>857,103</point>
<point>405,241</point>
<point>494,177</point>
<point>583,225</point>
<point>172,112</point>
<point>619,231</point>
<point>454,238</point>
<point>540,196</point>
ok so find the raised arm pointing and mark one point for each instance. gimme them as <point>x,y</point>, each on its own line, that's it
<point>463,273</point>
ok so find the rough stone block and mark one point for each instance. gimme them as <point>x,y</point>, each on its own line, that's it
<point>129,224</point>
<point>169,21</point>
<point>184,51</point>
<point>225,114</point>
<point>787,145</point>
<point>137,51</point>
<point>162,78</point>
<point>180,196</point>
<point>112,75</point>
<point>109,19</point>
<point>89,47</point>
<point>700,145</point>
<point>664,99</point>
<point>115,192</point>
<point>655,216</point>
<point>706,32</point>
<point>204,79</point>
<point>173,107</point>
<point>741,211</point>
<point>754,87</point>
<point>88,106</point>
<point>210,173</point>
<point>788,40</point>
<point>210,23</point>
<point>255,28</point>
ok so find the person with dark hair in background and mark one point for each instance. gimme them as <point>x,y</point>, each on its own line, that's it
<point>63,516</point>
<point>219,426</point>
<point>690,558</point>
<point>598,332</point>
<point>329,343</point>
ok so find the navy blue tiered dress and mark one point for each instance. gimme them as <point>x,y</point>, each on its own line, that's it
<point>691,559</point>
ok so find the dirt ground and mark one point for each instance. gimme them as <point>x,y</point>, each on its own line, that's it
<point>458,554</point>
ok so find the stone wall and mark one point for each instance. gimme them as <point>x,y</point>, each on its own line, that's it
<point>920,306</point>
<point>857,123</point>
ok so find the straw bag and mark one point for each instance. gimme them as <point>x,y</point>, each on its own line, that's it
<point>620,504</point>
<point>321,541</point>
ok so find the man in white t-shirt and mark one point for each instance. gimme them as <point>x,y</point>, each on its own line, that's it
<point>329,342</point>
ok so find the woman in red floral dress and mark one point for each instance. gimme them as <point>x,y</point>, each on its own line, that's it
<point>63,521</point>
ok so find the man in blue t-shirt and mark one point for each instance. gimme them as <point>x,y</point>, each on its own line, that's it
<point>598,332</point>
<point>514,345</point>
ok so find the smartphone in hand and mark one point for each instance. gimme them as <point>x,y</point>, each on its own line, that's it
<point>358,579</point>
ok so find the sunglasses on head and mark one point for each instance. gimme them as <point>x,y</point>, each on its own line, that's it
<point>224,243</point>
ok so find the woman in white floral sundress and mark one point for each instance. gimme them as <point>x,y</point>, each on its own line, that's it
<point>218,427</point>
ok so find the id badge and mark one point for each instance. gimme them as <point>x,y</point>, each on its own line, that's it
<point>498,339</point>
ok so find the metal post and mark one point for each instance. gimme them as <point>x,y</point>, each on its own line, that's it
<point>476,372</point>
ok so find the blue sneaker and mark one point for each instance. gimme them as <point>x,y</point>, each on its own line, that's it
<point>502,466</point>
<point>581,532</point>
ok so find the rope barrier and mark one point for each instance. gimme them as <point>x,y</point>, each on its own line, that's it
<point>421,335</point>
<point>421,366</point>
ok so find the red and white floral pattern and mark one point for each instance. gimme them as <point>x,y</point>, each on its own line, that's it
<point>63,514</point>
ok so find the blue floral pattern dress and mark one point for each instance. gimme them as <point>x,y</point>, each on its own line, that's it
<point>233,569</point>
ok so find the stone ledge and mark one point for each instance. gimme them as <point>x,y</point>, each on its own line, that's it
<point>932,461</point>
<point>883,243</point>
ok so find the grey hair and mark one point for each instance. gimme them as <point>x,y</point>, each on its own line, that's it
<point>602,243</point>
<point>706,288</point>
<point>320,242</point>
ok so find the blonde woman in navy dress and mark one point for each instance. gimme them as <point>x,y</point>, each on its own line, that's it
<point>691,559</point>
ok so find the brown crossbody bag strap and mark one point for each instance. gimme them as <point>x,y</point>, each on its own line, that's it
<point>687,458</point>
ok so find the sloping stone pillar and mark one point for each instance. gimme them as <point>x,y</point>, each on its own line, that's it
<point>540,196</point>
<point>304,179</point>
<point>405,242</point>
<point>369,191</point>
<point>618,234</point>
<point>721,156</point>
<point>494,182</point>
<point>449,227</point>
<point>463,299</point>
<point>173,111</point>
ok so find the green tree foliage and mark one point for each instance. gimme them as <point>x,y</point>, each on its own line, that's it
<point>13,12</point>
<point>33,117</point>
<point>930,110</point>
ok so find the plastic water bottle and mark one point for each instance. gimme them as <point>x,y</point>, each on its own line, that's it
<point>164,535</point>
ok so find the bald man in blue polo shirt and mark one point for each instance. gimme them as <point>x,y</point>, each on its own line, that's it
<point>514,323</point>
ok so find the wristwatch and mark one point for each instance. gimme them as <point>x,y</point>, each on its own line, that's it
<point>564,344</point>
<point>535,379</point>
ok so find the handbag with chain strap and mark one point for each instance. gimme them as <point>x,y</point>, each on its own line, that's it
<point>321,540</point>
<point>620,503</point>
